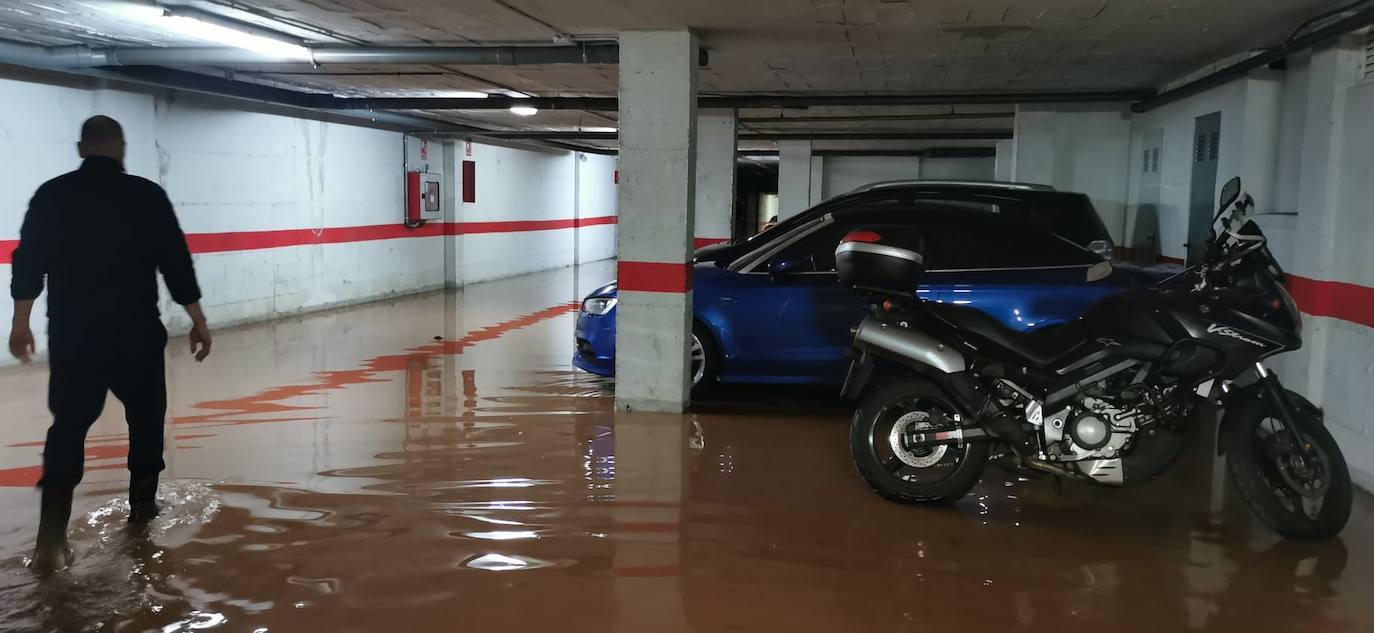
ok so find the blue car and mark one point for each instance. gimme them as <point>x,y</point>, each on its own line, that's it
<point>770,310</point>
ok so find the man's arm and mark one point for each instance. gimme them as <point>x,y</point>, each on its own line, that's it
<point>30,264</point>
<point>180,274</point>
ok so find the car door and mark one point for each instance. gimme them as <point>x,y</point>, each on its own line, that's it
<point>1017,272</point>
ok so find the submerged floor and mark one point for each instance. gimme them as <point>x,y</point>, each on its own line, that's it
<point>435,464</point>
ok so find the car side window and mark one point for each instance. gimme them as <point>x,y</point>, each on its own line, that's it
<point>816,252</point>
<point>983,241</point>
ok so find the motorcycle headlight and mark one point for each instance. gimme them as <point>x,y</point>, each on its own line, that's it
<point>597,306</point>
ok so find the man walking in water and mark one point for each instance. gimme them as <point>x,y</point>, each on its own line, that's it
<point>99,236</point>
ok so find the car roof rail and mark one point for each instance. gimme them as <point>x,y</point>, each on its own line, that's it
<point>979,184</point>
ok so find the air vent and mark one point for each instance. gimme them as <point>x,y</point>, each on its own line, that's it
<point>1369,55</point>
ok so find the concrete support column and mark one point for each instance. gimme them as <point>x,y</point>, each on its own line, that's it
<point>658,95</point>
<point>1006,153</point>
<point>794,178</point>
<point>715,165</point>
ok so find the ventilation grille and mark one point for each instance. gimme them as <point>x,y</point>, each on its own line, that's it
<point>1369,55</point>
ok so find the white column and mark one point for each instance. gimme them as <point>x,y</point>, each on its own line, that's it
<point>1033,146</point>
<point>1005,155</point>
<point>817,181</point>
<point>715,186</point>
<point>794,178</point>
<point>657,163</point>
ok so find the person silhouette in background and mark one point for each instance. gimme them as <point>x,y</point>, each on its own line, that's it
<point>99,236</point>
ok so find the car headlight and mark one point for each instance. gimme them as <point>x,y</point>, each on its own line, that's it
<point>597,306</point>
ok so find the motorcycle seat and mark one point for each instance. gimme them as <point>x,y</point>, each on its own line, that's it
<point>1040,347</point>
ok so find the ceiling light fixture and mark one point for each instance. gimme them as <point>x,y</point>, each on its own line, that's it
<point>207,26</point>
<point>524,110</point>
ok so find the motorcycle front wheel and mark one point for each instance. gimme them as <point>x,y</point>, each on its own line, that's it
<point>894,468</point>
<point>1302,493</point>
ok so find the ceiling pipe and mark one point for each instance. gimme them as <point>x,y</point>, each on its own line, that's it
<point>81,56</point>
<point>745,102</point>
<point>951,116</point>
<point>932,152</point>
<point>868,135</point>
<point>1241,69</point>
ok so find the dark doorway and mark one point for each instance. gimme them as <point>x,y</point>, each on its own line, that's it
<point>1202,205</point>
<point>754,184</point>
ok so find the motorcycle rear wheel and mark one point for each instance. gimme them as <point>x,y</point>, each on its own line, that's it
<point>912,474</point>
<point>1261,466</point>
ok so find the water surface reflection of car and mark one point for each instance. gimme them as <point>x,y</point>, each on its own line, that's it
<point>769,309</point>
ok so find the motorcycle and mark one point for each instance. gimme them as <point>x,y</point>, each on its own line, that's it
<point>1108,399</point>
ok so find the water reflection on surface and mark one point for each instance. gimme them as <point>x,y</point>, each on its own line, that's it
<point>487,485</point>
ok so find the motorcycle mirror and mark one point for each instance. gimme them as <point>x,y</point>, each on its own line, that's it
<point>1099,271</point>
<point>1229,192</point>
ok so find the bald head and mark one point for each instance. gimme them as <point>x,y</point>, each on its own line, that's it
<point>101,136</point>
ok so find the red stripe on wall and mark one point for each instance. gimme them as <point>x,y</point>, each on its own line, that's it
<point>707,241</point>
<point>654,277</point>
<point>1335,299</point>
<point>257,240</point>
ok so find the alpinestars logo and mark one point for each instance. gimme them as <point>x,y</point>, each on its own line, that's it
<point>1217,328</point>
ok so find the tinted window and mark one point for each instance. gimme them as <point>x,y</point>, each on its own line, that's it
<point>985,240</point>
<point>816,252</point>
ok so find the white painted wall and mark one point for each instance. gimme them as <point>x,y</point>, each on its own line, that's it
<point>842,174</point>
<point>1303,142</point>
<point>229,170</point>
<point>958,168</point>
<point>519,185</point>
<point>1083,149</point>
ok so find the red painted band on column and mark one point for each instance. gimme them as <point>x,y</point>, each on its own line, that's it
<point>654,277</point>
<point>707,241</point>
<point>1335,299</point>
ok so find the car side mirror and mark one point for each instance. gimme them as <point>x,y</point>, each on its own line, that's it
<point>1102,247</point>
<point>1099,271</point>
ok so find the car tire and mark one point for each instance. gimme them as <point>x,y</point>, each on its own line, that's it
<point>703,346</point>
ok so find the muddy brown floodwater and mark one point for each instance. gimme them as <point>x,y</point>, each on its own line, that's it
<point>348,472</point>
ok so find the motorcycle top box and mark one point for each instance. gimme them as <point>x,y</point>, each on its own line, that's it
<point>884,260</point>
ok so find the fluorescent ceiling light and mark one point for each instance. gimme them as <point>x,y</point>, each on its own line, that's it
<point>461,94</point>
<point>600,129</point>
<point>524,110</point>
<point>239,38</point>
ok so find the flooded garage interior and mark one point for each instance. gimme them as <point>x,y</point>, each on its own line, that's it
<point>532,315</point>
<point>341,472</point>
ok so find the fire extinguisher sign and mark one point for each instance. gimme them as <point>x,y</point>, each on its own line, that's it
<point>467,147</point>
<point>424,149</point>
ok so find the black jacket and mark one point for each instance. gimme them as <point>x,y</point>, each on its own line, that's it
<point>99,236</point>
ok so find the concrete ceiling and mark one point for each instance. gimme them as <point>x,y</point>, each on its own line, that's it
<point>773,47</point>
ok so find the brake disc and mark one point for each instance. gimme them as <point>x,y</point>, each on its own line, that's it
<point>915,457</point>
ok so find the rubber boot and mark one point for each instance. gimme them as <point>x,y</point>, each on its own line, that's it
<point>51,552</point>
<point>143,498</point>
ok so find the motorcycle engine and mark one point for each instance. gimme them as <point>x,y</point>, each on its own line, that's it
<point>1092,429</point>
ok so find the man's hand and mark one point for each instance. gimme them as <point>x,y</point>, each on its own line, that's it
<point>21,337</point>
<point>200,332</point>
<point>21,342</point>
<point>200,340</point>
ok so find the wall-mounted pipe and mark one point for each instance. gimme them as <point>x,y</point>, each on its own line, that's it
<point>1240,69</point>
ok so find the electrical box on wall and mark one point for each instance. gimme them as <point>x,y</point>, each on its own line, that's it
<point>424,196</point>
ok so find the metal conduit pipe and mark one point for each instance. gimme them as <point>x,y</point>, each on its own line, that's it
<point>81,56</point>
<point>935,135</point>
<point>1240,69</point>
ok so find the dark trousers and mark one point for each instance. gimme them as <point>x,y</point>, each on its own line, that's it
<point>89,362</point>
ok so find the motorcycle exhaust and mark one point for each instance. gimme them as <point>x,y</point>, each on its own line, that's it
<point>904,344</point>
